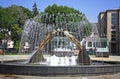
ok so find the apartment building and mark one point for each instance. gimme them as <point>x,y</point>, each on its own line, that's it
<point>109,27</point>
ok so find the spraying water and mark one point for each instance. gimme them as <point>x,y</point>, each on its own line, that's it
<point>36,33</point>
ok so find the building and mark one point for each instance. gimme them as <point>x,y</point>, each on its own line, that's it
<point>93,43</point>
<point>91,39</point>
<point>10,44</point>
<point>109,27</point>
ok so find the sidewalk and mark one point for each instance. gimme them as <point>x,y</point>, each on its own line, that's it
<point>24,57</point>
<point>115,76</point>
<point>13,57</point>
<point>109,59</point>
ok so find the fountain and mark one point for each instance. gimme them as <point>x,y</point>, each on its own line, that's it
<point>38,57</point>
<point>61,61</point>
<point>58,39</point>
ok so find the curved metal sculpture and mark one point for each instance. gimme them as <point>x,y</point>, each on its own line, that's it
<point>83,58</point>
<point>38,56</point>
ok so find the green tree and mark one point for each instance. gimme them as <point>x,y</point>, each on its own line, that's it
<point>27,11</point>
<point>20,14</point>
<point>58,15</point>
<point>6,18</point>
<point>35,10</point>
<point>15,32</point>
<point>13,19</point>
<point>15,35</point>
<point>1,36</point>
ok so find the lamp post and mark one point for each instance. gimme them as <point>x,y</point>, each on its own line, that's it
<point>4,31</point>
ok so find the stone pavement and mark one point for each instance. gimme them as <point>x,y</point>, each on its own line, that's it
<point>13,57</point>
<point>115,76</point>
<point>24,57</point>
<point>109,59</point>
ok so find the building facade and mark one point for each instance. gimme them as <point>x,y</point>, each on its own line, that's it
<point>93,43</point>
<point>109,27</point>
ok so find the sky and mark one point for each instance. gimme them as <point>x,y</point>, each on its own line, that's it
<point>91,8</point>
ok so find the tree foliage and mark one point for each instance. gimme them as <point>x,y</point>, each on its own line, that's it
<point>35,10</point>
<point>59,15</point>
<point>13,19</point>
<point>6,19</point>
<point>56,14</point>
<point>60,9</point>
<point>20,14</point>
<point>1,36</point>
<point>16,32</point>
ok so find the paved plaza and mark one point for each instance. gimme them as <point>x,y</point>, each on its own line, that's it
<point>24,57</point>
<point>115,76</point>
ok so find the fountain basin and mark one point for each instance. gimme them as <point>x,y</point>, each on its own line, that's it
<point>40,70</point>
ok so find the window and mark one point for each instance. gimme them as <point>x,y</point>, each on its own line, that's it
<point>113,27</point>
<point>97,44</point>
<point>89,44</point>
<point>113,32</point>
<point>103,44</point>
<point>113,20</point>
<point>105,30</point>
<point>94,44</point>
<point>113,36</point>
<point>113,39</point>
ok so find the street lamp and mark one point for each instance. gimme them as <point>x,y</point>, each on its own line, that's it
<point>4,31</point>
